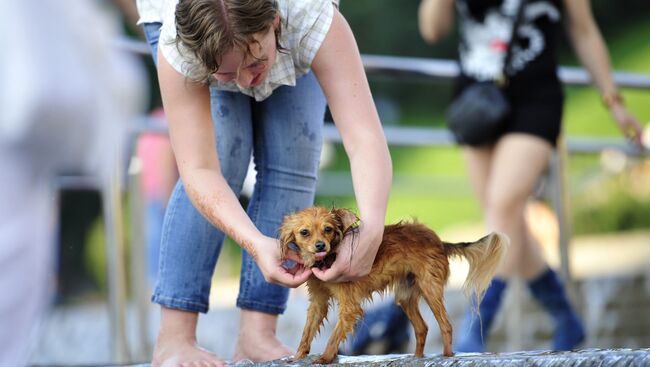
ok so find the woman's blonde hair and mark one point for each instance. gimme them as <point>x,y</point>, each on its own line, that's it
<point>211,28</point>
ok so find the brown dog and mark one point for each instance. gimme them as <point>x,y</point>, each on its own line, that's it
<point>411,261</point>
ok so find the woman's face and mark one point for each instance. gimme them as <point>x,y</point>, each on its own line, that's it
<point>249,69</point>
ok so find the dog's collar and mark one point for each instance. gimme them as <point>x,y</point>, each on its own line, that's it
<point>354,227</point>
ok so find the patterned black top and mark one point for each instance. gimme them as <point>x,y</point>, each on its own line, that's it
<point>485,30</point>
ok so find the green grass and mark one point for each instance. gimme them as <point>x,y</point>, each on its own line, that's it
<point>436,210</point>
<point>429,184</point>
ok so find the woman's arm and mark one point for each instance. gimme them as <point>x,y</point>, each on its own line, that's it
<point>435,19</point>
<point>338,67</point>
<point>187,107</point>
<point>592,52</point>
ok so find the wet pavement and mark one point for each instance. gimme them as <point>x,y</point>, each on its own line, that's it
<point>579,358</point>
<point>583,358</point>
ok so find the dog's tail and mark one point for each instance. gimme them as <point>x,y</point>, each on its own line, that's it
<point>483,256</point>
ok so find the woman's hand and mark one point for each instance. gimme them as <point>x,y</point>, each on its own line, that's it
<point>628,124</point>
<point>273,267</point>
<point>355,255</point>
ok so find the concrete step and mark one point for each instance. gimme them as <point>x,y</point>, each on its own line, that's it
<point>579,358</point>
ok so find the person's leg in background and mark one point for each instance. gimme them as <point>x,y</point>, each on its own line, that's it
<point>518,160</point>
<point>473,331</point>
<point>548,290</point>
<point>503,184</point>
<point>532,160</point>
<point>517,164</point>
<point>288,140</point>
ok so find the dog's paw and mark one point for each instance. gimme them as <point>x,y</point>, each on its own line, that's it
<point>299,355</point>
<point>324,360</point>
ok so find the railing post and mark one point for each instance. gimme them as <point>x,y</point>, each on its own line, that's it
<point>514,335</point>
<point>561,204</point>
<point>139,259</point>
<point>115,269</point>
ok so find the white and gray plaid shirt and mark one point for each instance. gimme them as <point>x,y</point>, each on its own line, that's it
<point>304,26</point>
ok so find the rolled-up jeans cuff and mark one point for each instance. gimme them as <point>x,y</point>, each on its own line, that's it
<point>251,305</point>
<point>180,304</point>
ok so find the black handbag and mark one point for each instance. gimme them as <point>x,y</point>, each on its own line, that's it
<point>478,115</point>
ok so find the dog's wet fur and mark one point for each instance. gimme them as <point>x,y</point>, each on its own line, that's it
<point>411,261</point>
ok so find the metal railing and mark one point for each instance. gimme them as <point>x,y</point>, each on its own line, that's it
<point>386,66</point>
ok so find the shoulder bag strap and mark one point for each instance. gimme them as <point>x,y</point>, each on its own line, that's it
<point>506,62</point>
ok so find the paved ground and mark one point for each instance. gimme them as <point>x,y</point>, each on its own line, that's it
<point>580,358</point>
<point>78,335</point>
<point>583,358</point>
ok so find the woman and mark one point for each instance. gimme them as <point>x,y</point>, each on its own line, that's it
<point>254,76</point>
<point>504,171</point>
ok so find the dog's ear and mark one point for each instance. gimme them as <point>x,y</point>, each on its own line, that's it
<point>346,218</point>
<point>286,235</point>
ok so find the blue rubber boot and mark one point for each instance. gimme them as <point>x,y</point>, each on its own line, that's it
<point>549,291</point>
<point>386,326</point>
<point>476,329</point>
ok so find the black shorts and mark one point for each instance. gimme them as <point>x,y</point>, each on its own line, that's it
<point>536,107</point>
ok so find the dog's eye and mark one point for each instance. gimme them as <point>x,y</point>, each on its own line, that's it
<point>304,232</point>
<point>328,229</point>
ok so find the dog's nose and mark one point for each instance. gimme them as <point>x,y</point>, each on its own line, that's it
<point>320,246</point>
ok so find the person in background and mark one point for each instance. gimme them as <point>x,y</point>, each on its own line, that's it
<point>504,170</point>
<point>158,178</point>
<point>65,98</point>
<point>242,77</point>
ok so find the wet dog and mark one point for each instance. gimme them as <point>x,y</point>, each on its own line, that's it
<point>411,261</point>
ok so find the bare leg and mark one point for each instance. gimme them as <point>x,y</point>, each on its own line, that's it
<point>257,340</point>
<point>532,262</point>
<point>503,178</point>
<point>478,162</point>
<point>176,343</point>
<point>513,167</point>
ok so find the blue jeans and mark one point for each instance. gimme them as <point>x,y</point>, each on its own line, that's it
<point>284,135</point>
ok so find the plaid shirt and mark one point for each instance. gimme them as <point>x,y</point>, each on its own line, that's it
<point>302,37</point>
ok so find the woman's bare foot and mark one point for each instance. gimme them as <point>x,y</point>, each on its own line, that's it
<point>176,343</point>
<point>181,353</point>
<point>257,340</point>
